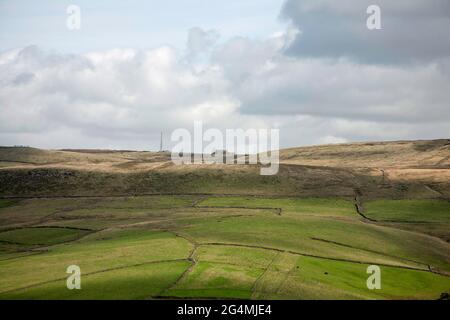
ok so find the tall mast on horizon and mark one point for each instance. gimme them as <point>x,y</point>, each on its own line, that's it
<point>161,143</point>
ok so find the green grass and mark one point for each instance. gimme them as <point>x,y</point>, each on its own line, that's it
<point>224,271</point>
<point>251,257</point>
<point>101,251</point>
<point>138,282</point>
<point>29,210</point>
<point>147,202</point>
<point>209,280</point>
<point>94,223</point>
<point>311,206</point>
<point>431,217</point>
<point>32,210</point>
<point>370,243</point>
<point>325,279</point>
<point>435,229</point>
<point>409,210</point>
<point>7,203</point>
<point>41,236</point>
<point>138,248</point>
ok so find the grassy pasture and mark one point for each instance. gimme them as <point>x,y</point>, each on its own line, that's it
<point>359,241</point>
<point>312,206</point>
<point>7,203</point>
<point>41,236</point>
<point>209,280</point>
<point>229,247</point>
<point>313,278</point>
<point>426,216</point>
<point>139,282</point>
<point>97,252</point>
<point>409,210</point>
<point>36,210</point>
<point>223,271</point>
<point>226,272</point>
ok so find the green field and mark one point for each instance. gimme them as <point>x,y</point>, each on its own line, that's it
<point>41,236</point>
<point>410,210</point>
<point>427,216</point>
<point>155,247</point>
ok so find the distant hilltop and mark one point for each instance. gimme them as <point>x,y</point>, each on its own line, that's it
<point>396,169</point>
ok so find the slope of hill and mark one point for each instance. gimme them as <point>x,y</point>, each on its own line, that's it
<point>415,169</point>
<point>413,154</point>
<point>141,227</point>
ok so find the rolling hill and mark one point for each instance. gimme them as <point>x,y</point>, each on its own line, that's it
<point>141,227</point>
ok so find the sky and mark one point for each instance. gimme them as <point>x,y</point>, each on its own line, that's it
<point>310,68</point>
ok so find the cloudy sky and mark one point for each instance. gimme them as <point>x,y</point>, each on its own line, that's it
<point>311,68</point>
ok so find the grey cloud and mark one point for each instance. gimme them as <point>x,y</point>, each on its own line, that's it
<point>23,78</point>
<point>343,89</point>
<point>267,82</point>
<point>123,98</point>
<point>200,40</point>
<point>412,30</point>
<point>105,95</point>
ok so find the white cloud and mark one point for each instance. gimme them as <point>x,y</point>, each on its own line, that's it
<point>118,95</point>
<point>123,98</point>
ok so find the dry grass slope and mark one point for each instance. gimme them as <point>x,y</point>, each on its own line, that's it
<point>397,170</point>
